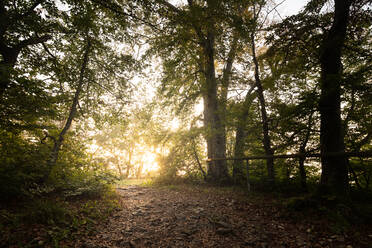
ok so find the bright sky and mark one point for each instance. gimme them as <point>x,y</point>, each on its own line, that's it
<point>290,7</point>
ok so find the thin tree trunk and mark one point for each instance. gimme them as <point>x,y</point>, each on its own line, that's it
<point>334,178</point>
<point>58,143</point>
<point>139,171</point>
<point>302,150</point>
<point>302,170</point>
<point>129,164</point>
<point>240,137</point>
<point>265,121</point>
<point>118,166</point>
<point>238,153</point>
<point>197,160</point>
<point>225,83</point>
<point>354,176</point>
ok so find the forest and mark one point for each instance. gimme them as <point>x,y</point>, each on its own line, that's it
<point>185,123</point>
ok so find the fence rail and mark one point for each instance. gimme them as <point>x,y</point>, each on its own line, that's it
<point>364,154</point>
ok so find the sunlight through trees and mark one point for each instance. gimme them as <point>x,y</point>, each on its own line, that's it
<point>97,91</point>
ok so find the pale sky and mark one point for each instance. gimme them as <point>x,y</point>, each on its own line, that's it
<point>290,7</point>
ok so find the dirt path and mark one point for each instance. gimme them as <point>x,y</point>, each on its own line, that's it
<point>184,217</point>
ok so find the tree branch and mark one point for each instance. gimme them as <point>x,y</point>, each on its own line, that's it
<point>32,41</point>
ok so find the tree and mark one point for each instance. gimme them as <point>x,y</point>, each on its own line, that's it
<point>73,109</point>
<point>260,92</point>
<point>204,33</point>
<point>241,134</point>
<point>315,42</point>
<point>334,178</point>
<point>88,75</point>
<point>21,26</point>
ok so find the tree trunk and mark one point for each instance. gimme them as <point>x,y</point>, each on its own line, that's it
<point>129,164</point>
<point>216,144</point>
<point>225,83</point>
<point>334,178</point>
<point>10,56</point>
<point>118,166</point>
<point>58,143</point>
<point>240,137</point>
<point>197,160</point>
<point>265,121</point>
<point>139,171</point>
<point>302,170</point>
<point>302,150</point>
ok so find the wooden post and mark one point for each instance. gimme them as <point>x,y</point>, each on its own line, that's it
<point>248,183</point>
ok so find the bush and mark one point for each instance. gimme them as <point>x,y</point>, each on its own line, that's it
<point>22,165</point>
<point>47,212</point>
<point>82,182</point>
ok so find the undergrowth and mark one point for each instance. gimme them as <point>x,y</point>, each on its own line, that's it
<point>342,216</point>
<point>54,222</point>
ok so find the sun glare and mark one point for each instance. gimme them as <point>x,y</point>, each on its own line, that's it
<point>149,162</point>
<point>143,158</point>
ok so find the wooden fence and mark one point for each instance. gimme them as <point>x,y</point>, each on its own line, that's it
<point>364,154</point>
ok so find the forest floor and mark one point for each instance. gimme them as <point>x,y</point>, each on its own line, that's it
<point>191,216</point>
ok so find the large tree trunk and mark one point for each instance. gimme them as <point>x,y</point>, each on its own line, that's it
<point>10,57</point>
<point>334,178</point>
<point>58,142</point>
<point>264,118</point>
<point>215,132</point>
<point>216,144</point>
<point>6,67</point>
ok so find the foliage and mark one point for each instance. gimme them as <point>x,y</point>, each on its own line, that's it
<point>106,86</point>
<point>23,165</point>
<point>54,222</point>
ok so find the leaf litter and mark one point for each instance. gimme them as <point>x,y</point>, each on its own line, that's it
<point>195,217</point>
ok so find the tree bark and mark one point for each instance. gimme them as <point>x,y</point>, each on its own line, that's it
<point>58,143</point>
<point>334,178</point>
<point>217,170</point>
<point>215,136</point>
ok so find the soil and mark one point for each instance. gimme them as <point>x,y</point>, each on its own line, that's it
<point>208,217</point>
